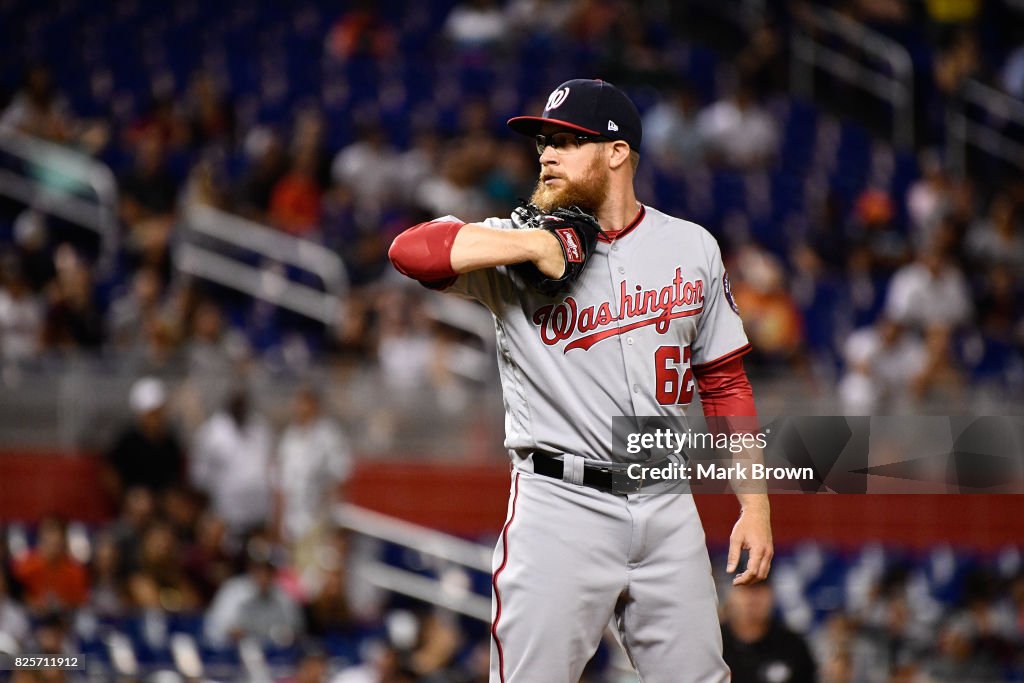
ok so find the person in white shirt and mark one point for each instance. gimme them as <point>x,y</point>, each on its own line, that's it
<point>883,366</point>
<point>232,464</point>
<point>313,461</point>
<point>737,132</point>
<point>929,292</point>
<point>21,314</point>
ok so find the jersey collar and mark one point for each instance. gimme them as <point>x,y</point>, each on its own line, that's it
<point>613,235</point>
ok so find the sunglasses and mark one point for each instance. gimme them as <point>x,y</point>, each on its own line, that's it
<point>564,142</point>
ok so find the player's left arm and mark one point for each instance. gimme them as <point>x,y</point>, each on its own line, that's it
<point>728,402</point>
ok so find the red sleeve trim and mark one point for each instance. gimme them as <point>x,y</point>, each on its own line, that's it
<point>712,364</point>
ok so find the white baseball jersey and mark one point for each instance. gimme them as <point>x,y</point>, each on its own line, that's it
<point>652,304</point>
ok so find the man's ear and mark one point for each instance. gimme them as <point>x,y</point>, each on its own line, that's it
<point>618,155</point>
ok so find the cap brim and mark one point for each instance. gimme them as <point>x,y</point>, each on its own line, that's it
<point>531,125</point>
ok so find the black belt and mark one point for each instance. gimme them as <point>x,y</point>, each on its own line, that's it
<point>612,480</point>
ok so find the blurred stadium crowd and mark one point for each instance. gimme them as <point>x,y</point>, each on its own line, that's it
<point>881,273</point>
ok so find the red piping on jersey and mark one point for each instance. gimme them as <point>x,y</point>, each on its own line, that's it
<point>494,582</point>
<point>586,341</point>
<point>723,359</point>
<point>613,235</point>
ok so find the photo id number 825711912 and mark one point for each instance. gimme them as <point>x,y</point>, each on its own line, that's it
<point>41,662</point>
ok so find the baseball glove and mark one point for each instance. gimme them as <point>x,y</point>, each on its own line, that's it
<point>576,231</point>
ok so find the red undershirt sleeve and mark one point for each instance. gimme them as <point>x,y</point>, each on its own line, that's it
<point>727,398</point>
<point>424,253</point>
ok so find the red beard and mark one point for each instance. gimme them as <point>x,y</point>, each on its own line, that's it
<point>588,192</point>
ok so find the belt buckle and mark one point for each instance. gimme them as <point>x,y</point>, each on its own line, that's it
<point>623,483</point>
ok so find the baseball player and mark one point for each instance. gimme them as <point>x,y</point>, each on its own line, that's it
<point>602,307</point>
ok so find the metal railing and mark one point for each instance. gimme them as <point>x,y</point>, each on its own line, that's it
<point>895,86</point>
<point>211,241</point>
<point>71,169</point>
<point>455,554</point>
<point>987,132</point>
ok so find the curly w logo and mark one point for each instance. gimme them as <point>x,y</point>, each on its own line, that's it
<point>556,99</point>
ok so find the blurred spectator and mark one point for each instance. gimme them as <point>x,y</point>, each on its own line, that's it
<point>593,21</point>
<point>147,453</point>
<point>208,564</point>
<point>206,185</point>
<point>957,62</point>
<point>872,229</point>
<point>21,313</point>
<point>737,132</point>
<point>130,313</point>
<point>309,136</point>
<point>231,462</point>
<point>418,163</point>
<point>312,666</point>
<point>267,165</point>
<point>762,62</point>
<point>38,109</point>
<point>14,623</point>
<point>770,315</point>
<point>52,635</point>
<point>108,597</point>
<point>328,611</point>
<point>73,320</point>
<point>367,167</point>
<point>958,657</point>
<point>543,17</point>
<point>883,365</point>
<point>757,647</point>
<point>930,291</point>
<point>454,190</point>
<point>149,190</point>
<point>50,577</point>
<point>138,511</point>
<point>211,115</point>
<point>929,198</point>
<point>159,581</point>
<point>671,135</point>
<point>251,605</point>
<point>359,241</point>
<point>295,200</point>
<point>313,461</point>
<point>31,247</point>
<point>476,23</point>
<point>162,120</point>
<point>998,239</point>
<point>361,32</point>
<point>387,665</point>
<point>181,507</point>
<point>1011,76</point>
<point>212,353</point>
<point>148,195</point>
<point>999,306</point>
<point>436,646</point>
<point>513,175</point>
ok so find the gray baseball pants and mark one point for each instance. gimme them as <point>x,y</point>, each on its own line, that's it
<point>570,558</point>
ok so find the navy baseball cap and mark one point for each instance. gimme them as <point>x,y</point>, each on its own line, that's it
<point>594,107</point>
